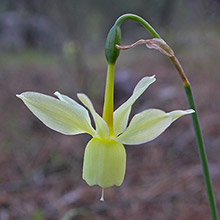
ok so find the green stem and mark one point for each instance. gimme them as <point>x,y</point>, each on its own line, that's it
<point>138,19</point>
<point>114,36</point>
<point>109,97</point>
<point>202,153</point>
<point>199,137</point>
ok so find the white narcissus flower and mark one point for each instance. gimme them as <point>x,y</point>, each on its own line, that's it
<point>105,156</point>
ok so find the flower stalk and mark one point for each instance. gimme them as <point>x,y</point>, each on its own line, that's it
<point>138,19</point>
<point>202,153</point>
<point>114,36</point>
<point>109,98</point>
<point>199,138</point>
<point>159,44</point>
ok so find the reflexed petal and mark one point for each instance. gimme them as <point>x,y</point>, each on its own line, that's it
<point>121,114</point>
<point>58,115</point>
<point>104,163</point>
<point>102,129</point>
<point>149,124</point>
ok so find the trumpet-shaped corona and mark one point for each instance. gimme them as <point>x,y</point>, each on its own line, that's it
<point>104,163</point>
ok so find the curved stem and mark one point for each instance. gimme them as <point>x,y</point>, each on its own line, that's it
<point>180,70</point>
<point>109,98</point>
<point>140,20</point>
<point>190,97</point>
<point>199,138</point>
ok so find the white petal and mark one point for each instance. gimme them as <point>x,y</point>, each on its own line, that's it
<point>102,129</point>
<point>121,115</point>
<point>148,125</point>
<point>58,115</point>
<point>67,99</point>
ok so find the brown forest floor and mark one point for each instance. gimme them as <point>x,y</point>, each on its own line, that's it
<point>40,170</point>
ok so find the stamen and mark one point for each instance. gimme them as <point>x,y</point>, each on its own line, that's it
<point>102,197</point>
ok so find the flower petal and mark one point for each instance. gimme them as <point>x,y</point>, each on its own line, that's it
<point>121,115</point>
<point>102,129</point>
<point>104,163</point>
<point>149,124</point>
<point>67,99</point>
<point>58,115</point>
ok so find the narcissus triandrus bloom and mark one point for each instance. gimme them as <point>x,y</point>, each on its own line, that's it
<point>105,156</point>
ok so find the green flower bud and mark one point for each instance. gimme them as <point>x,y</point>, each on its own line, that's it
<point>113,38</point>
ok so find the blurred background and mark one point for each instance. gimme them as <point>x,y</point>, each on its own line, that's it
<point>49,46</point>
